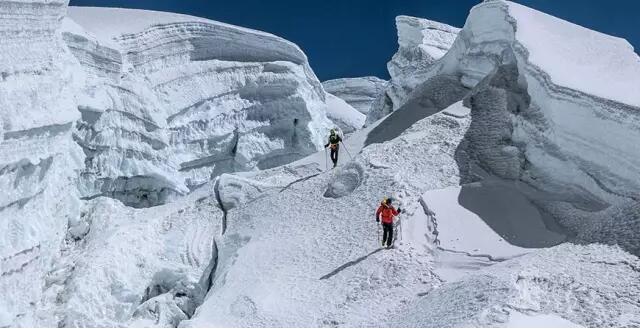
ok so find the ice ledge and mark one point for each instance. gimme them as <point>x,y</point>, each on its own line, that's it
<point>576,57</point>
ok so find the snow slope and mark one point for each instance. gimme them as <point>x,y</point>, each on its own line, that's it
<point>173,101</point>
<point>357,92</point>
<point>318,262</point>
<point>420,43</point>
<point>569,284</point>
<point>306,254</point>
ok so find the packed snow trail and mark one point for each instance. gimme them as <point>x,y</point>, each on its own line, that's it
<point>269,254</point>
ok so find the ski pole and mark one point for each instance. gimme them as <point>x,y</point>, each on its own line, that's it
<point>345,148</point>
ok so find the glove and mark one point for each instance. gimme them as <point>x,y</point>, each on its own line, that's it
<point>326,146</point>
<point>377,220</point>
<point>399,210</point>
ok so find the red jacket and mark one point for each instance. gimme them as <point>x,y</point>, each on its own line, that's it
<point>387,213</point>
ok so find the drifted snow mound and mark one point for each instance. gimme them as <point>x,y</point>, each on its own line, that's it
<point>344,115</point>
<point>546,282</point>
<point>357,92</point>
<point>554,105</point>
<point>346,181</point>
<point>173,100</point>
<point>421,42</point>
<point>39,161</point>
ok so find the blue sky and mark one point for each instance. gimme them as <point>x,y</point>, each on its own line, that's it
<point>350,38</point>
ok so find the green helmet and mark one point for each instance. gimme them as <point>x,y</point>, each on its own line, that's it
<point>332,131</point>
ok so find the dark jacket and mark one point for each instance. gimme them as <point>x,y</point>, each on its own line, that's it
<point>334,140</point>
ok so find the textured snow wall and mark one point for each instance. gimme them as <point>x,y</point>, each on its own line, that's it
<point>345,117</point>
<point>39,161</point>
<point>357,92</point>
<point>554,105</point>
<point>174,100</point>
<point>421,42</point>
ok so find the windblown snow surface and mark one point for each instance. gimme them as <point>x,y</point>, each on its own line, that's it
<point>517,183</point>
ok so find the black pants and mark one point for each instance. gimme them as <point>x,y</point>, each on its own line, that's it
<point>334,155</point>
<point>387,236</point>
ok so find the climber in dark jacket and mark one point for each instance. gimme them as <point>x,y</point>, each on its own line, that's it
<point>334,145</point>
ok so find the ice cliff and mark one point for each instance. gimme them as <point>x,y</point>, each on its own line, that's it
<point>556,106</point>
<point>420,43</point>
<point>172,101</point>
<point>357,92</point>
<point>39,162</point>
<point>140,107</point>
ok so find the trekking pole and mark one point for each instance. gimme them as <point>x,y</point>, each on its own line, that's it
<point>378,233</point>
<point>345,148</point>
<point>326,161</point>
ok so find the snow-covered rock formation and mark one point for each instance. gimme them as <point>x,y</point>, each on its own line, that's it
<point>357,92</point>
<point>421,42</point>
<point>174,100</point>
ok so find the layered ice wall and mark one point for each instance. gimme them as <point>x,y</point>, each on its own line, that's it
<point>557,106</point>
<point>39,161</point>
<point>357,92</point>
<point>174,100</point>
<point>421,42</point>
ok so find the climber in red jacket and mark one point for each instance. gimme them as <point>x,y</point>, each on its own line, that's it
<point>387,212</point>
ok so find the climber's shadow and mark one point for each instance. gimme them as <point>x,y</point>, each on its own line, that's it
<point>349,264</point>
